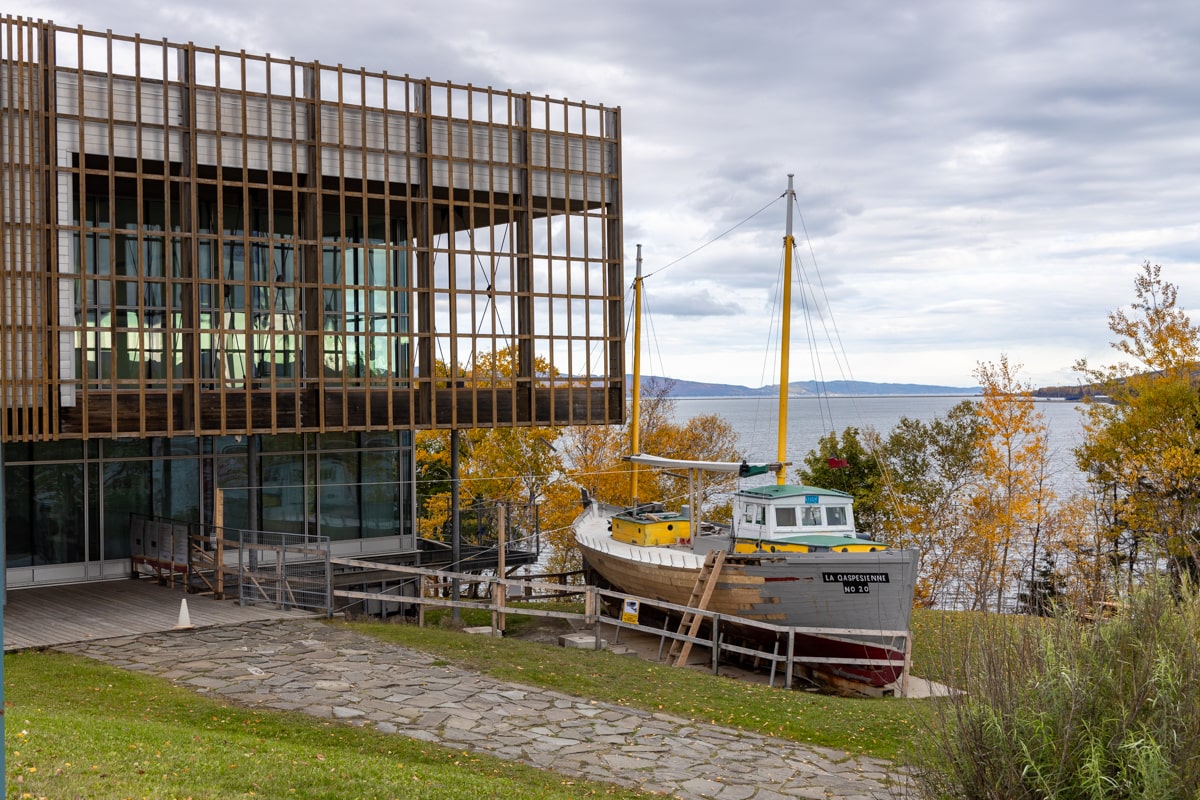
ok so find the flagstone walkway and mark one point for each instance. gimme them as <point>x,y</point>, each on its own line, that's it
<point>332,672</point>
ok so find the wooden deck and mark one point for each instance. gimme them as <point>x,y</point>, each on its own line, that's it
<point>51,615</point>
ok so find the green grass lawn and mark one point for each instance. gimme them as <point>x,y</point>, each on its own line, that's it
<point>877,727</point>
<point>79,729</point>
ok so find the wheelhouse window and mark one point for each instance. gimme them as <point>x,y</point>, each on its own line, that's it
<point>755,514</point>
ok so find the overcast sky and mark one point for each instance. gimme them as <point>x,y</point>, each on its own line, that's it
<point>975,178</point>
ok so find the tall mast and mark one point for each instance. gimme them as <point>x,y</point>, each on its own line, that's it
<point>635,416</point>
<point>786,335</point>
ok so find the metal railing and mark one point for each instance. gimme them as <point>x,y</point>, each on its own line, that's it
<point>288,570</point>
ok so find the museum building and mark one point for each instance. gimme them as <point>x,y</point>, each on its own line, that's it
<point>238,276</point>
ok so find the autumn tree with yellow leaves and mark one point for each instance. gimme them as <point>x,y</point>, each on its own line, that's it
<point>930,469</point>
<point>968,490</point>
<point>595,455</point>
<point>519,469</point>
<point>1012,502</point>
<point>538,472</point>
<point>1142,449</point>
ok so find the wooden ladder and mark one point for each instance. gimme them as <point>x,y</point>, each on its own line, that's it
<point>706,582</point>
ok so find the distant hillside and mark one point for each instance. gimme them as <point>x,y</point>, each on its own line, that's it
<point>681,388</point>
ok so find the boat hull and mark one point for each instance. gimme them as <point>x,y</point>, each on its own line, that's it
<point>849,595</point>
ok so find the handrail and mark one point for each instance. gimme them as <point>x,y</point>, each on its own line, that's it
<point>594,616</point>
<point>254,565</point>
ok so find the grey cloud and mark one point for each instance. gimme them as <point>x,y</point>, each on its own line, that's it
<point>694,304</point>
<point>973,177</point>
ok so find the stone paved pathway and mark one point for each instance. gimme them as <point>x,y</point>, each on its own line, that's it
<point>329,671</point>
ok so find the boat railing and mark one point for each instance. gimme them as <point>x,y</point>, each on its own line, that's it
<point>660,556</point>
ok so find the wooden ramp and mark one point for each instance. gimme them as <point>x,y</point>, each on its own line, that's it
<point>45,616</point>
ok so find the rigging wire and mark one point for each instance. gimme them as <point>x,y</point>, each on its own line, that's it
<point>650,337</point>
<point>715,239</point>
<point>771,357</point>
<point>811,306</point>
<point>838,349</point>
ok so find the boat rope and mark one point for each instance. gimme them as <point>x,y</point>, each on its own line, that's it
<point>834,337</point>
<point>654,389</point>
<point>811,306</point>
<point>715,239</point>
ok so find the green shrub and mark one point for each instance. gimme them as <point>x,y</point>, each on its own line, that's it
<point>1066,709</point>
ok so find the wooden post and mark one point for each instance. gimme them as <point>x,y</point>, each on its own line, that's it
<point>219,563</point>
<point>716,638</point>
<point>421,606</point>
<point>591,605</point>
<point>501,587</point>
<point>219,530</point>
<point>791,655</point>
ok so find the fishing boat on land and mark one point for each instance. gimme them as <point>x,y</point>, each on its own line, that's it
<point>791,557</point>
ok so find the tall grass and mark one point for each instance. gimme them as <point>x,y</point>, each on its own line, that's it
<point>1066,709</point>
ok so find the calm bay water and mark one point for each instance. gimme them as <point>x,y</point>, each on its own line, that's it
<point>811,418</point>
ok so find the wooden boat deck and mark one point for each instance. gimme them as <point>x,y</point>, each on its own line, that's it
<point>51,615</point>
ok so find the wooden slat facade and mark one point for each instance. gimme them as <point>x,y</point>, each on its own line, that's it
<point>202,242</point>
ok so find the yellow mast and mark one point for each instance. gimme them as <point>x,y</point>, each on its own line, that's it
<point>635,416</point>
<point>786,335</point>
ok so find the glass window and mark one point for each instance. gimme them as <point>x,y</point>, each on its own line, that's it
<point>337,440</point>
<point>812,515</point>
<point>287,505</point>
<point>338,497</point>
<point>836,515</point>
<point>231,480</point>
<point>381,479</point>
<point>55,515</point>
<point>248,297</point>
<point>282,443</point>
<point>177,489</point>
<point>785,517</point>
<point>127,489</point>
<point>388,440</point>
<point>364,302</point>
<point>18,516</point>
<point>755,514</point>
<point>94,526</point>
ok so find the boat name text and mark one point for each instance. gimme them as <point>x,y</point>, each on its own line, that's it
<point>855,577</point>
<point>855,582</point>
